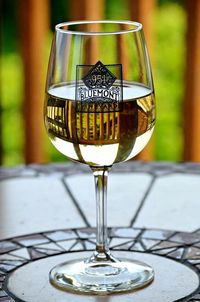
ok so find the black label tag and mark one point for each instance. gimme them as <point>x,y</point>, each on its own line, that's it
<point>99,88</point>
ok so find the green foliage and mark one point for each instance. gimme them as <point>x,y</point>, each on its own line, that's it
<point>12,122</point>
<point>116,10</point>
<point>168,78</point>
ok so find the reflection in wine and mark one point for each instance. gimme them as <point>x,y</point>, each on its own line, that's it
<point>100,138</point>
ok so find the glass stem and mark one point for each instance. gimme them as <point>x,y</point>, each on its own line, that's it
<point>102,249</point>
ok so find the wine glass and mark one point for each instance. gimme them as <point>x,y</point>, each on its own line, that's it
<point>100,110</point>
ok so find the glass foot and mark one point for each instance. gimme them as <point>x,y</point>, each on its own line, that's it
<point>103,277</point>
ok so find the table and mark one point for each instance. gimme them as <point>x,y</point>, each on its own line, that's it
<point>47,213</point>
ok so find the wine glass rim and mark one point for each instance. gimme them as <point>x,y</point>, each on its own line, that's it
<point>59,27</point>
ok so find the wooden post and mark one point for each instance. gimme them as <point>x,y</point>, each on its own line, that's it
<point>192,84</point>
<point>142,11</point>
<point>87,9</point>
<point>34,20</point>
<point>1,125</point>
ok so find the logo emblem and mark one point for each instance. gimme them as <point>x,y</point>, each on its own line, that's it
<point>99,88</point>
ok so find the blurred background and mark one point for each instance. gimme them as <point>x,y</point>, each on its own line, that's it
<point>172,30</point>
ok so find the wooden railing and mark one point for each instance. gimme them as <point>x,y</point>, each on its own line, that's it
<point>142,11</point>
<point>192,83</point>
<point>1,122</point>
<point>34,25</point>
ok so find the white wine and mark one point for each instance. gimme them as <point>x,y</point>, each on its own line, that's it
<point>100,138</point>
